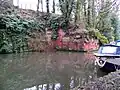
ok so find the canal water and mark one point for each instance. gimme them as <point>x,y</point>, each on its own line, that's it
<point>46,71</point>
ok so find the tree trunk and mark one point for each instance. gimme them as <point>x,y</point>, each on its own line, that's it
<point>93,13</point>
<point>53,6</point>
<point>42,5</point>
<point>37,87</point>
<point>38,7</point>
<point>53,88</point>
<point>18,3</point>
<point>85,13</point>
<point>47,87</point>
<point>69,9</point>
<point>89,18</point>
<point>47,6</point>
<point>102,4</point>
<point>66,7</point>
<point>77,11</point>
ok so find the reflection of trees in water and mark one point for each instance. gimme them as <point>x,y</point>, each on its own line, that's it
<point>56,86</point>
<point>81,68</point>
<point>85,72</point>
<point>26,70</point>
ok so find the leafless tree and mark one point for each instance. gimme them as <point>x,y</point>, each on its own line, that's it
<point>53,6</point>
<point>47,6</point>
<point>38,4</point>
<point>42,5</point>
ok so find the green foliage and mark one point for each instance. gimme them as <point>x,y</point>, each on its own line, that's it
<point>95,33</point>
<point>5,47</point>
<point>105,26</point>
<point>106,21</point>
<point>115,22</point>
<point>66,7</point>
<point>56,22</point>
<point>14,31</point>
<point>101,37</point>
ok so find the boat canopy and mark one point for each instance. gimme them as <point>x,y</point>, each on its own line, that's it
<point>108,50</point>
<point>117,42</point>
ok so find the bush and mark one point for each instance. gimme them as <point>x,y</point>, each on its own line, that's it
<point>55,22</point>
<point>96,33</point>
<point>13,33</point>
<point>101,37</point>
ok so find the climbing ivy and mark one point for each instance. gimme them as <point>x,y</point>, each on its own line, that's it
<point>56,22</point>
<point>13,32</point>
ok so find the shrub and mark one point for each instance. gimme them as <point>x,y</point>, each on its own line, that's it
<point>13,33</point>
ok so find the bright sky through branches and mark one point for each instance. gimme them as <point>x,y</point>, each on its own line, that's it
<point>32,4</point>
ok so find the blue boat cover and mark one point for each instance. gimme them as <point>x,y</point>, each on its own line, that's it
<point>109,49</point>
<point>117,42</point>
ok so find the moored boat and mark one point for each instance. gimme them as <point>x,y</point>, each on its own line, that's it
<point>108,57</point>
<point>117,42</point>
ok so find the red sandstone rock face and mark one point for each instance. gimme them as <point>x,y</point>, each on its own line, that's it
<point>63,42</point>
<point>77,41</point>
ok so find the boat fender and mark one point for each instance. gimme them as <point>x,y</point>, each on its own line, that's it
<point>100,62</point>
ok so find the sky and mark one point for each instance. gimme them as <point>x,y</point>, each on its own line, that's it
<point>32,4</point>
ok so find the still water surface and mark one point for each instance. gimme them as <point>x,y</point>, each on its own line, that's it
<point>46,71</point>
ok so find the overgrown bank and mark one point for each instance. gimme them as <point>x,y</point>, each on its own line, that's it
<point>108,82</point>
<point>19,26</point>
<point>15,32</point>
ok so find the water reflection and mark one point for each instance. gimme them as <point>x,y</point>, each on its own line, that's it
<point>46,71</point>
<point>46,87</point>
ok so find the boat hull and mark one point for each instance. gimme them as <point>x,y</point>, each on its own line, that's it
<point>108,66</point>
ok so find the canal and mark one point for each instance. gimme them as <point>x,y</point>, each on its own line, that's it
<point>46,71</point>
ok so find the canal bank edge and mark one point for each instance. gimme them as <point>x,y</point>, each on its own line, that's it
<point>108,82</point>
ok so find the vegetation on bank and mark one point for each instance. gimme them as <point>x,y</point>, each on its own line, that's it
<point>14,33</point>
<point>108,82</point>
<point>100,17</point>
<point>102,21</point>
